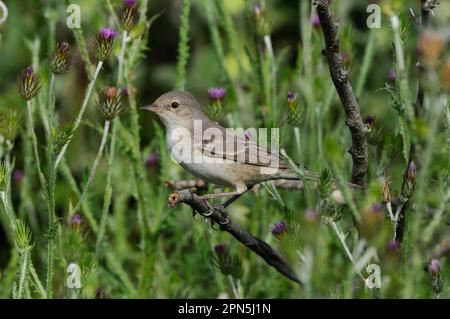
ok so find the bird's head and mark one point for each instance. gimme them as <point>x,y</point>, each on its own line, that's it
<point>176,108</point>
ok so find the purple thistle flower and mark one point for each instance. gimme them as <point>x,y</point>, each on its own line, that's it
<point>76,220</point>
<point>315,21</point>
<point>124,91</point>
<point>369,120</point>
<point>152,159</point>
<point>107,33</point>
<point>257,11</point>
<point>291,97</point>
<point>434,267</point>
<point>393,246</point>
<point>129,3</point>
<point>29,71</point>
<point>217,93</point>
<point>219,249</point>
<point>310,215</point>
<point>376,208</point>
<point>411,172</point>
<point>18,176</point>
<point>29,83</point>
<point>105,42</point>
<point>279,228</point>
<point>392,75</point>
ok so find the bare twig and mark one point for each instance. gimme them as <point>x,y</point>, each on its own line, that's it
<point>340,79</point>
<point>221,218</point>
<point>201,184</point>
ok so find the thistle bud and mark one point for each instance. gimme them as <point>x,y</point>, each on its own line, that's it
<point>75,221</point>
<point>392,76</point>
<point>315,21</point>
<point>227,262</point>
<point>129,15</point>
<point>295,114</point>
<point>215,108</point>
<point>10,124</point>
<point>105,43</point>
<point>279,229</point>
<point>393,247</point>
<point>109,103</point>
<point>60,61</point>
<point>261,22</point>
<point>411,172</point>
<point>29,84</point>
<point>434,267</point>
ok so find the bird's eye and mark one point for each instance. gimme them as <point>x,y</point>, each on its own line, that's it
<point>174,105</point>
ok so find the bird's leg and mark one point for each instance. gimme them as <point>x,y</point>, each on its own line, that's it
<point>229,201</point>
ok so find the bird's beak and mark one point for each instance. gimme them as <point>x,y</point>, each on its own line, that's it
<point>151,108</point>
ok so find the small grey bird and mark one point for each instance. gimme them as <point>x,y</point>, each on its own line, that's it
<point>238,167</point>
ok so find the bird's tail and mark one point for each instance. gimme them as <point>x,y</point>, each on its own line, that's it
<point>288,174</point>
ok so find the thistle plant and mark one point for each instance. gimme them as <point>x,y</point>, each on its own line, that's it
<point>295,116</point>
<point>109,106</point>
<point>29,83</point>
<point>129,15</point>
<point>230,266</point>
<point>10,124</point>
<point>105,43</point>
<point>215,109</point>
<point>60,60</point>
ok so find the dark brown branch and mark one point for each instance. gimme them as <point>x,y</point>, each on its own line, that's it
<point>201,184</point>
<point>226,224</point>
<point>340,79</point>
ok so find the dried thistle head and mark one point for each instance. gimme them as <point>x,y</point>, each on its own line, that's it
<point>29,83</point>
<point>129,14</point>
<point>60,60</point>
<point>105,43</point>
<point>10,124</point>
<point>109,103</point>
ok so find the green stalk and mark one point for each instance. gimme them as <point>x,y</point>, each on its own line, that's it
<point>34,142</point>
<point>273,77</point>
<point>94,165</point>
<point>80,113</point>
<point>23,273</point>
<point>51,179</point>
<point>183,46</point>
<point>108,190</point>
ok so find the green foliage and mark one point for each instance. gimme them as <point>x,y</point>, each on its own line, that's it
<point>126,241</point>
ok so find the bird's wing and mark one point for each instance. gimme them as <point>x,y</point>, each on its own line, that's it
<point>224,144</point>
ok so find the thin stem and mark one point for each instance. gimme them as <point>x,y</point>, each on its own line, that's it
<point>297,141</point>
<point>37,282</point>
<point>122,57</point>
<point>233,287</point>
<point>34,142</point>
<point>108,190</point>
<point>80,113</point>
<point>94,165</point>
<point>23,274</point>
<point>273,74</point>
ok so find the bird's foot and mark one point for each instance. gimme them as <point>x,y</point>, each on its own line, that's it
<point>210,207</point>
